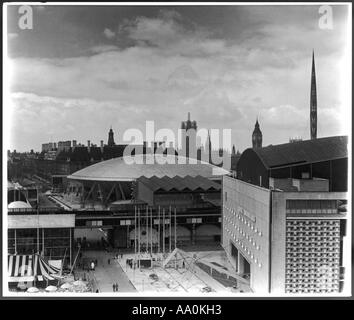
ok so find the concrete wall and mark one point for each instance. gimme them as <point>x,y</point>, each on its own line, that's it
<point>31,221</point>
<point>278,242</point>
<point>246,220</point>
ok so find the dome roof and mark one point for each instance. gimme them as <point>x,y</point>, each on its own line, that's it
<point>18,205</point>
<point>133,167</point>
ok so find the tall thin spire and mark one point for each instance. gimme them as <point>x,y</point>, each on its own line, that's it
<point>313,101</point>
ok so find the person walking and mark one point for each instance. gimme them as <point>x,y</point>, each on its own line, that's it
<point>117,286</point>
<point>114,287</point>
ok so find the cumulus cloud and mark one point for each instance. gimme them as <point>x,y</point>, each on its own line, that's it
<point>172,66</point>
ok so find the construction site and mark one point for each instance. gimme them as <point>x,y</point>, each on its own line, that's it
<point>184,272</point>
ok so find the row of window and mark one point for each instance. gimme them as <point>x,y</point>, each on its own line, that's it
<point>311,204</point>
<point>301,248</point>
<point>245,248</point>
<point>298,290</point>
<point>310,258</point>
<point>313,277</point>
<point>317,238</point>
<point>318,228</point>
<point>312,211</point>
<point>310,263</point>
<point>312,223</point>
<point>242,233</point>
<point>318,281</point>
<point>243,219</point>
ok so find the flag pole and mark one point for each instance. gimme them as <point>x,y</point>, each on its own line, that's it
<point>170,235</point>
<point>159,236</point>
<point>175,228</point>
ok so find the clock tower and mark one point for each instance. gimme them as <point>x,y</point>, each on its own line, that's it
<point>257,137</point>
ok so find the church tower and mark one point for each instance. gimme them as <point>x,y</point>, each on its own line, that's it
<point>111,142</point>
<point>313,101</point>
<point>257,137</point>
<point>189,137</point>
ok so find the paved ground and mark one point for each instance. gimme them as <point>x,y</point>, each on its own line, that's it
<point>107,274</point>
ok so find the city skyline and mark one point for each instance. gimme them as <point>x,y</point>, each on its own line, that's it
<point>82,69</point>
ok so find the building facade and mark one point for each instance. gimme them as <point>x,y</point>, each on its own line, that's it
<point>289,238</point>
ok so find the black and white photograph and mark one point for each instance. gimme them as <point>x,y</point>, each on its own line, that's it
<point>177,150</point>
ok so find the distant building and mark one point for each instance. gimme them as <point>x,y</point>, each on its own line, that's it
<point>64,145</point>
<point>189,140</point>
<point>257,136</point>
<point>50,146</point>
<point>296,139</point>
<point>110,141</point>
<point>235,156</point>
<point>325,158</point>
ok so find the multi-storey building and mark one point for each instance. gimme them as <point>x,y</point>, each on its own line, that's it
<point>285,241</point>
<point>288,235</point>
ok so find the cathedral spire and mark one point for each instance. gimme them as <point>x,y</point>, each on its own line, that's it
<point>313,101</point>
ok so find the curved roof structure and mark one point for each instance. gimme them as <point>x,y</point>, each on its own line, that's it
<point>19,205</point>
<point>304,152</point>
<point>133,167</point>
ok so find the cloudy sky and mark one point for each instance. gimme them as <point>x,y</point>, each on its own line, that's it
<point>82,69</point>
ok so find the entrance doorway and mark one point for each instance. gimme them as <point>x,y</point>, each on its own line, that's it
<point>244,267</point>
<point>234,255</point>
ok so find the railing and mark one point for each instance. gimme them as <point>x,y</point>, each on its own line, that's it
<point>35,211</point>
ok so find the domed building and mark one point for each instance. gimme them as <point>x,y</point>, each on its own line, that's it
<point>19,205</point>
<point>120,189</point>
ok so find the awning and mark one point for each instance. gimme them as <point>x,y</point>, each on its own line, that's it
<point>27,267</point>
<point>20,268</point>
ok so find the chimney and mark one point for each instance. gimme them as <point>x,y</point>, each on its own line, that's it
<point>189,116</point>
<point>74,144</point>
<point>102,146</point>
<point>88,145</point>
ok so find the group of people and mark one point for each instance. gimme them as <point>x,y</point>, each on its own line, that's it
<point>131,263</point>
<point>118,255</point>
<point>115,287</point>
